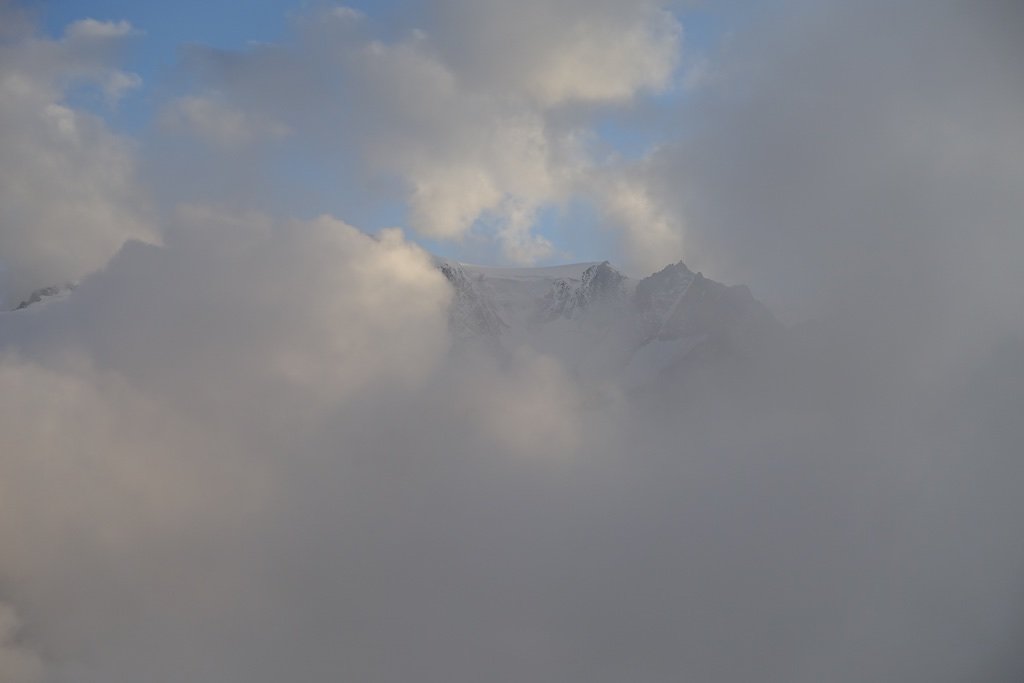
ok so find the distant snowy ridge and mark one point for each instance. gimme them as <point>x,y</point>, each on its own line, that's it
<point>597,319</point>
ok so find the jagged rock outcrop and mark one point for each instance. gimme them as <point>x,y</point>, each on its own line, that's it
<point>44,293</point>
<point>657,296</point>
<point>596,319</point>
<point>599,285</point>
<point>472,314</point>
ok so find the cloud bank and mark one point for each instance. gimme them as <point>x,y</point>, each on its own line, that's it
<point>68,193</point>
<point>247,451</point>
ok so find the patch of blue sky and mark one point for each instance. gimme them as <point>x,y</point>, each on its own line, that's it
<point>164,28</point>
<point>127,114</point>
<point>168,25</point>
<point>631,132</point>
<point>626,139</point>
<point>704,26</point>
<point>306,184</point>
<point>576,232</point>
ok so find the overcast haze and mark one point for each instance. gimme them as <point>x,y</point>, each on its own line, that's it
<point>246,448</point>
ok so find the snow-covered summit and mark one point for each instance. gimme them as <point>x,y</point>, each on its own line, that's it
<point>599,284</point>
<point>592,315</point>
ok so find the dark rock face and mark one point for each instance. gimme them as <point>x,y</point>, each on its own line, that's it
<point>599,285</point>
<point>472,313</point>
<point>44,293</point>
<point>658,296</point>
<point>659,292</point>
<point>709,307</point>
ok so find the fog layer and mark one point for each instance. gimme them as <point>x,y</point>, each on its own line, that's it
<point>245,448</point>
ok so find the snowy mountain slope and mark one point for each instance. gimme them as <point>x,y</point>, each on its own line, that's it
<point>472,314</point>
<point>599,321</point>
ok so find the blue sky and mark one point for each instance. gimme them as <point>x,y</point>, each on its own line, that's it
<point>165,28</point>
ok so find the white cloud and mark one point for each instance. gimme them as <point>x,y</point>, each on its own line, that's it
<point>68,192</point>
<point>117,83</point>
<point>464,154</point>
<point>220,123</point>
<point>445,202</point>
<point>493,109</point>
<point>91,29</point>
<point>609,62</point>
<point>514,219</point>
<point>652,233</point>
<point>559,53</point>
<point>347,14</point>
<point>471,112</point>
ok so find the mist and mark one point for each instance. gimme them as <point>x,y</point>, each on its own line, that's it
<point>247,447</point>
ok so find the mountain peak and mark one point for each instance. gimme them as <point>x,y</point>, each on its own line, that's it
<point>594,317</point>
<point>600,282</point>
<point>472,314</point>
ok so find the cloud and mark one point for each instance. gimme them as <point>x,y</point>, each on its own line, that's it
<point>137,411</point>
<point>250,453</point>
<point>90,29</point>
<point>220,123</point>
<point>843,150</point>
<point>253,445</point>
<point>651,231</point>
<point>68,196</point>
<point>560,53</point>
<point>479,140</point>
<point>118,83</point>
<point>17,664</point>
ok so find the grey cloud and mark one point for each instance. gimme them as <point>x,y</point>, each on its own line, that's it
<point>250,454</point>
<point>853,147</point>
<point>17,663</point>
